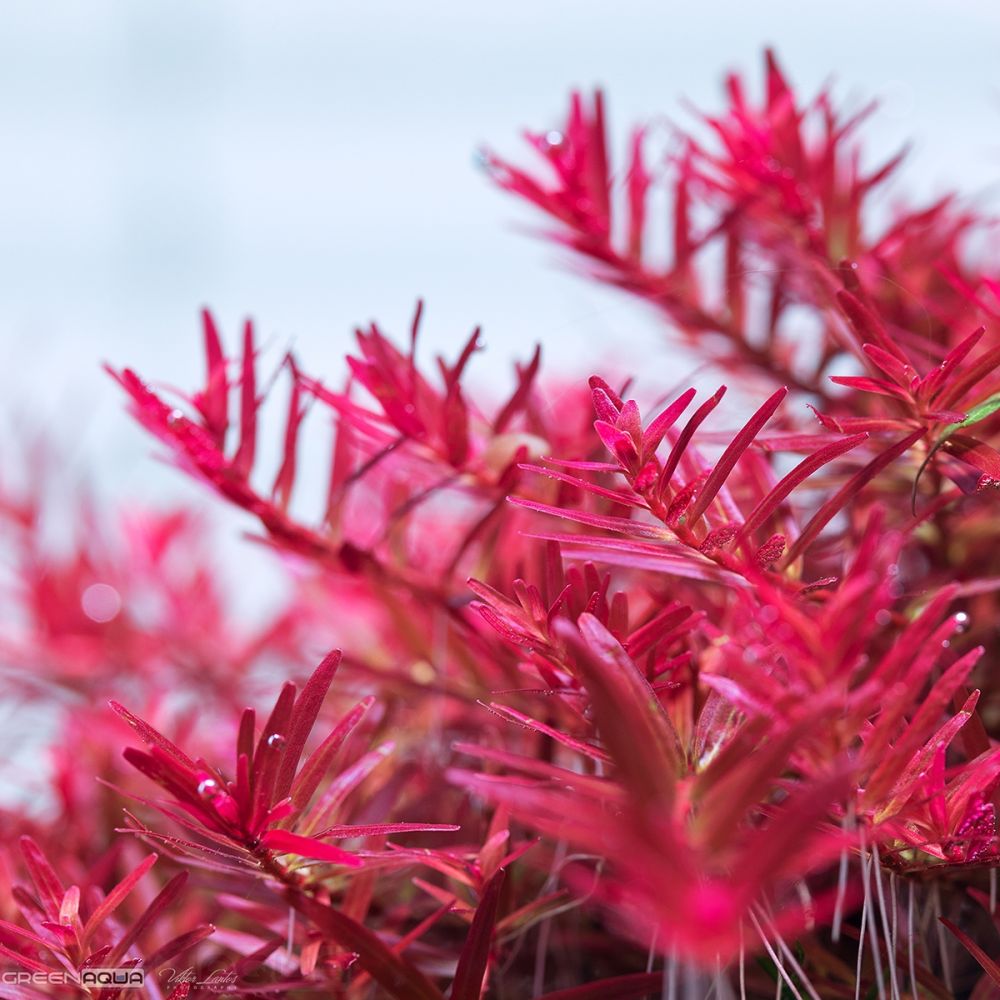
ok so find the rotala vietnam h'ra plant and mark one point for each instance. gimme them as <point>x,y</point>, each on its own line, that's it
<point>575,690</point>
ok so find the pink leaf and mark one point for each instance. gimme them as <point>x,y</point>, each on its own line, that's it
<point>315,768</point>
<point>50,889</point>
<point>284,842</point>
<point>398,977</point>
<point>848,491</point>
<point>732,454</point>
<point>247,448</point>
<point>116,897</point>
<point>475,955</point>
<point>769,504</point>
<point>658,427</point>
<point>150,735</point>
<point>303,718</point>
<point>606,522</point>
<point>684,438</point>
<point>635,729</point>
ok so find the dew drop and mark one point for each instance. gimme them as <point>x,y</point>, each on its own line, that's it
<point>276,740</point>
<point>174,417</point>
<point>946,643</point>
<point>554,139</point>
<point>961,622</point>
<point>883,616</point>
<point>101,602</point>
<point>207,788</point>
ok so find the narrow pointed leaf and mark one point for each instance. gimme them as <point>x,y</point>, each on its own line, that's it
<point>684,438</point>
<point>163,899</point>
<point>829,510</point>
<point>116,896</point>
<point>178,946</point>
<point>304,715</point>
<point>953,391</point>
<point>732,455</point>
<point>991,967</point>
<point>799,474</point>
<point>247,448</point>
<point>607,522</point>
<point>475,956</point>
<point>634,728</point>
<point>661,424</point>
<point>397,977</point>
<point>150,735</point>
<point>315,768</point>
<point>50,888</point>
<point>283,842</point>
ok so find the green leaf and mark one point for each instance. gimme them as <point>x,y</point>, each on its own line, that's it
<point>976,415</point>
<point>985,409</point>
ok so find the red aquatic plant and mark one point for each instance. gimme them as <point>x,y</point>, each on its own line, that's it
<point>642,691</point>
<point>68,932</point>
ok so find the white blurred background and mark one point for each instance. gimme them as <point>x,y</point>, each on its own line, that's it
<point>311,164</point>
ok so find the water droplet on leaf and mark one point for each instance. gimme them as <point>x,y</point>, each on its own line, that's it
<point>208,788</point>
<point>276,740</point>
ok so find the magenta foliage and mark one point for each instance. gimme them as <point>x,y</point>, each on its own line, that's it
<point>622,697</point>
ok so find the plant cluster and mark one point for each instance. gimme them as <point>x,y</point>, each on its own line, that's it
<point>623,689</point>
